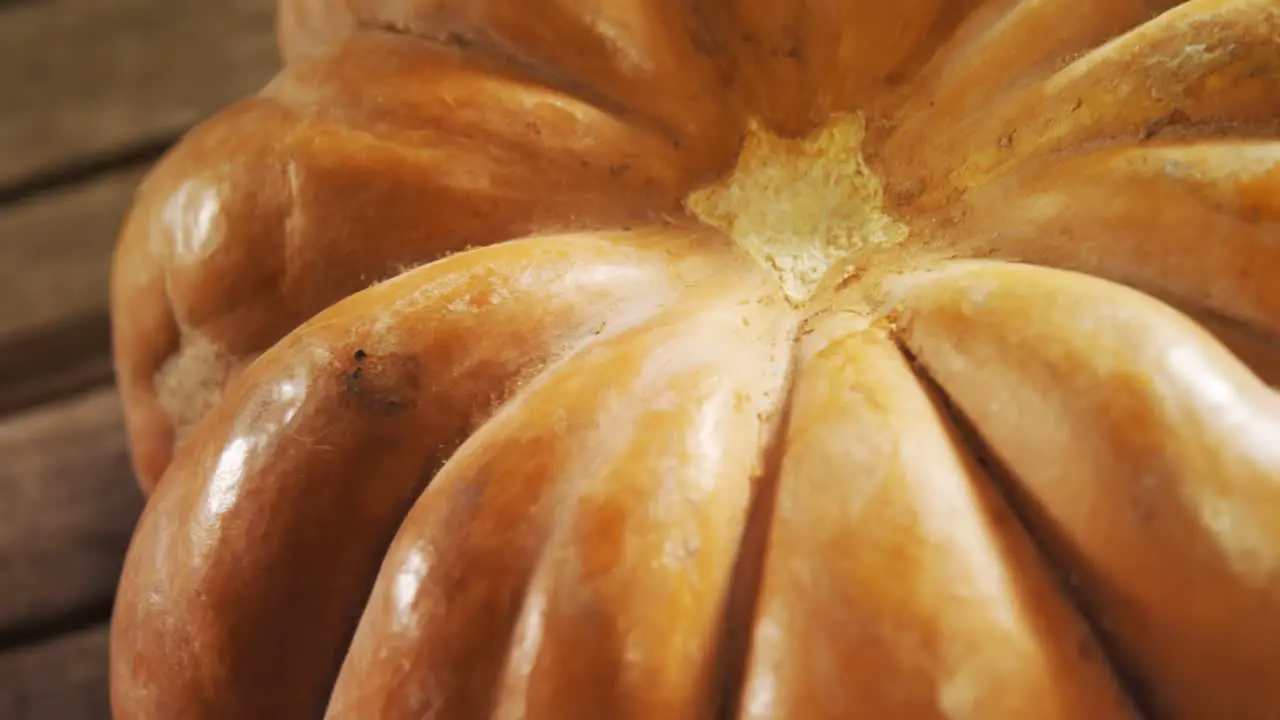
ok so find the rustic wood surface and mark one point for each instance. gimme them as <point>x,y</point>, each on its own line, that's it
<point>100,79</point>
<point>62,677</point>
<point>92,92</point>
<point>56,250</point>
<point>54,256</point>
<point>67,489</point>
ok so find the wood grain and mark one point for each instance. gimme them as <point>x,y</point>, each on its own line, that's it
<point>55,261</point>
<point>91,91</point>
<point>62,679</point>
<point>55,362</point>
<point>68,503</point>
<point>83,79</point>
<point>55,252</point>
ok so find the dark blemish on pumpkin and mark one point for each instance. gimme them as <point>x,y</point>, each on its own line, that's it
<point>468,497</point>
<point>386,384</point>
<point>618,169</point>
<point>1079,103</point>
<point>1006,140</point>
<point>750,38</point>
<point>458,40</point>
<point>1160,124</point>
<point>794,53</point>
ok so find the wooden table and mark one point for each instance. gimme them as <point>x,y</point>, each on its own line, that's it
<point>91,92</point>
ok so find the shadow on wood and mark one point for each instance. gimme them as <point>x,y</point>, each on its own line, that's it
<point>68,503</point>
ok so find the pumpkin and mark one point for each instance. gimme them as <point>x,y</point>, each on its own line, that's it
<point>730,358</point>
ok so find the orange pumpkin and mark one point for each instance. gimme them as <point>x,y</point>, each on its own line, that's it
<point>714,358</point>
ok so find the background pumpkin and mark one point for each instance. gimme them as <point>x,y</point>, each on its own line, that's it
<point>744,425</point>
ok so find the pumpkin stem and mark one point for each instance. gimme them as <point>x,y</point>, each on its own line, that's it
<point>799,205</point>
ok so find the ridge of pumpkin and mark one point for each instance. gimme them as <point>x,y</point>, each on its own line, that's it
<point>800,205</point>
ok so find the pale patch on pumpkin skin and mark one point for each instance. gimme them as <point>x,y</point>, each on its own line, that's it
<point>191,381</point>
<point>799,206</point>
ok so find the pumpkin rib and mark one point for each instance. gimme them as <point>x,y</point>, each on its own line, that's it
<point>1148,82</point>
<point>275,209</point>
<point>1144,455</point>
<point>1005,484</point>
<point>793,64</point>
<point>643,59</point>
<point>897,584</point>
<point>738,618</point>
<point>990,57</point>
<point>277,486</point>
<point>1258,350</point>
<point>480,53</point>
<point>1217,211</point>
<point>668,616</point>
<point>612,491</point>
<point>1212,244</point>
<point>144,333</point>
<point>422,96</point>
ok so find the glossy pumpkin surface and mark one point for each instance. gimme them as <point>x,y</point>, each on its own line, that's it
<point>714,358</point>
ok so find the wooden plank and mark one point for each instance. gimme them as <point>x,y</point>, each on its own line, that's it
<point>55,261</point>
<point>55,252</point>
<point>62,679</point>
<point>51,363</point>
<point>80,79</point>
<point>68,503</point>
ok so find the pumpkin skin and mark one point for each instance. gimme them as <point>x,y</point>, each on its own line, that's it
<point>462,388</point>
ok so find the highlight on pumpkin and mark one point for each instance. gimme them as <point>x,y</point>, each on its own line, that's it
<point>760,360</point>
